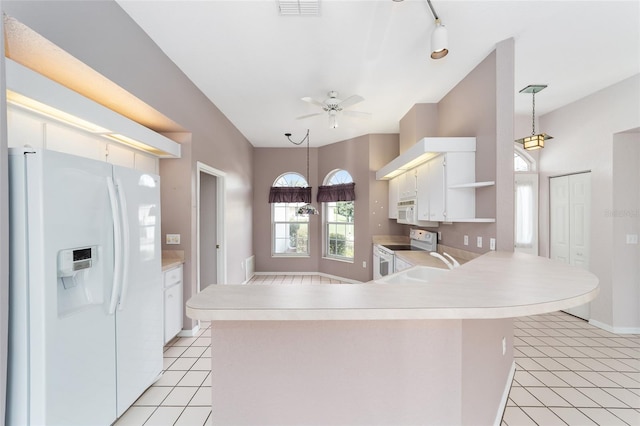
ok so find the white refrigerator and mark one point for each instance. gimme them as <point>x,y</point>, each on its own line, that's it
<point>85,327</point>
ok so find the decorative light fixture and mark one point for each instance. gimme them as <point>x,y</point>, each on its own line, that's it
<point>439,37</point>
<point>534,141</point>
<point>308,208</point>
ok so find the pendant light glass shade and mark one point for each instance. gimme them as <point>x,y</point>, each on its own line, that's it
<point>534,141</point>
<point>439,41</point>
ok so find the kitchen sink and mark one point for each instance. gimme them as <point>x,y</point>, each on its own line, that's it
<point>417,274</point>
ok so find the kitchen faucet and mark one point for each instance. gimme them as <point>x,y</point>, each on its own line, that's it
<point>439,256</point>
<point>455,262</point>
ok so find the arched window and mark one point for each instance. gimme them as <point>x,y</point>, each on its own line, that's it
<point>522,161</point>
<point>290,231</point>
<point>338,197</point>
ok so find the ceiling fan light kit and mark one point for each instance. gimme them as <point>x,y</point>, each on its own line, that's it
<point>534,141</point>
<point>333,105</point>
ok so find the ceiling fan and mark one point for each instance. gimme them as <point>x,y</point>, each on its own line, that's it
<point>333,105</point>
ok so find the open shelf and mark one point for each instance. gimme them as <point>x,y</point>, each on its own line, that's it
<point>473,185</point>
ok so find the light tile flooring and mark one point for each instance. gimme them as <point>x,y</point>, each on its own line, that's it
<point>567,372</point>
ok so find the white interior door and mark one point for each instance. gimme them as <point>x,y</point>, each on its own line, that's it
<point>570,220</point>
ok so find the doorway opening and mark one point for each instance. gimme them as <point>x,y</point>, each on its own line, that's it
<point>211,252</point>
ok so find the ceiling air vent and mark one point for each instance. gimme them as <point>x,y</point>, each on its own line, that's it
<point>299,7</point>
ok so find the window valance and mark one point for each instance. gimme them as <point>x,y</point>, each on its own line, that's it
<point>339,192</point>
<point>288,194</point>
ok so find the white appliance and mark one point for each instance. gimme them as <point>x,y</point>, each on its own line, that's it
<point>85,326</point>
<point>384,258</point>
<point>407,212</point>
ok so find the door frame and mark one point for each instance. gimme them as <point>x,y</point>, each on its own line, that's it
<point>221,254</point>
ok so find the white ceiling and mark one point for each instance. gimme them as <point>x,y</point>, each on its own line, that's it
<point>255,65</point>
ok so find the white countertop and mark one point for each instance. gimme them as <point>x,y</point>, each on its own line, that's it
<point>495,285</point>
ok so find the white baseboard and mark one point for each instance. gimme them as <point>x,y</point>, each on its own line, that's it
<point>190,333</point>
<point>505,395</point>
<point>616,330</point>
<point>322,274</point>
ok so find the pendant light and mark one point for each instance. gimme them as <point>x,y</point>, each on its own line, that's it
<point>534,141</point>
<point>307,209</point>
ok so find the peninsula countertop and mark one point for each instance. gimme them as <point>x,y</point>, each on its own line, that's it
<point>494,285</point>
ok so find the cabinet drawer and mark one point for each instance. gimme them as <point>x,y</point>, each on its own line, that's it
<point>172,312</point>
<point>172,276</point>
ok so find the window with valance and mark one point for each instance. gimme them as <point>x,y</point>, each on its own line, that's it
<point>338,198</point>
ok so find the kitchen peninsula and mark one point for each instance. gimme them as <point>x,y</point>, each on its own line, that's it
<point>408,353</point>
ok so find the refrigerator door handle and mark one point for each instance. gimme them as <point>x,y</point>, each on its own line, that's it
<point>125,243</point>
<point>117,246</point>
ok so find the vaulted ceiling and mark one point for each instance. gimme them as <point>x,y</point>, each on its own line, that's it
<point>256,64</point>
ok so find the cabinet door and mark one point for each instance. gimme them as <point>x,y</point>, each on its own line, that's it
<point>424,197</point>
<point>172,311</point>
<point>393,198</point>
<point>407,185</point>
<point>460,170</point>
<point>436,184</point>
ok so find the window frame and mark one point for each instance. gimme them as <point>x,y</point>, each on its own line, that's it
<point>326,224</point>
<point>280,181</point>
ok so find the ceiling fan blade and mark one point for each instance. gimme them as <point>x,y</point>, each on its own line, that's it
<point>313,101</point>
<point>351,100</point>
<point>358,114</point>
<point>309,115</point>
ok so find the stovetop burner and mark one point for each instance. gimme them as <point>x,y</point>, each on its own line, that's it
<point>402,247</point>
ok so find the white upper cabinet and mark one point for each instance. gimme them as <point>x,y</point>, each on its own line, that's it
<point>431,189</point>
<point>407,188</point>
<point>393,198</point>
<point>446,188</point>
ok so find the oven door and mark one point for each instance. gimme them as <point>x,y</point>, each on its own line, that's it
<point>382,263</point>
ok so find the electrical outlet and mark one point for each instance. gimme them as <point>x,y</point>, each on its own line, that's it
<point>364,263</point>
<point>632,238</point>
<point>479,242</point>
<point>492,244</point>
<point>466,240</point>
<point>173,238</point>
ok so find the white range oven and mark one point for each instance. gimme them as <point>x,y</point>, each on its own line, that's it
<point>384,254</point>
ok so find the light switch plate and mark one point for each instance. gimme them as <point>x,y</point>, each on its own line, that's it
<point>632,238</point>
<point>466,240</point>
<point>173,238</point>
<point>492,243</point>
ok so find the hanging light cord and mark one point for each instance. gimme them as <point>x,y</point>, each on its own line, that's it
<point>306,137</point>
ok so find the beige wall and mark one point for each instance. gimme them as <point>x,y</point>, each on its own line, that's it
<point>361,157</point>
<point>419,122</point>
<point>481,105</point>
<point>584,134</point>
<point>129,58</point>
<point>626,221</point>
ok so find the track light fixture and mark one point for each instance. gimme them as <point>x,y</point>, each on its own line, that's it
<point>439,37</point>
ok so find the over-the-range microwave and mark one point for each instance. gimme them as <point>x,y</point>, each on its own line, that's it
<point>407,212</point>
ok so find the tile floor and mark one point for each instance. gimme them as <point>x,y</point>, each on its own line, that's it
<point>567,372</point>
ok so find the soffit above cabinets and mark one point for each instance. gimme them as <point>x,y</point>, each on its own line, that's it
<point>29,90</point>
<point>424,150</point>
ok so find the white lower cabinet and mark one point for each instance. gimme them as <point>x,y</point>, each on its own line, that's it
<point>173,307</point>
<point>401,265</point>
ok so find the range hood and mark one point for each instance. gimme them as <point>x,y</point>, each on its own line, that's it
<point>424,150</point>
